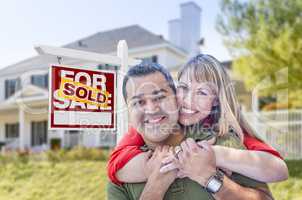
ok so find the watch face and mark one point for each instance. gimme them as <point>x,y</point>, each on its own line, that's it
<point>214,185</point>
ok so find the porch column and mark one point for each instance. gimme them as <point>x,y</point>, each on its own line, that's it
<point>97,139</point>
<point>21,129</point>
<point>2,131</point>
<point>62,135</point>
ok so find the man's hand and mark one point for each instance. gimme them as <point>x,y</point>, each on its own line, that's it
<point>158,183</point>
<point>155,163</point>
<point>154,159</point>
<point>197,161</point>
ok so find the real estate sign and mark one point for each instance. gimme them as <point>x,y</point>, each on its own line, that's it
<point>81,98</point>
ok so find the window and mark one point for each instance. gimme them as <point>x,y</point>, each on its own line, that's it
<point>40,80</point>
<point>107,67</point>
<point>38,133</point>
<point>11,86</point>
<point>154,59</point>
<point>150,59</point>
<point>12,131</point>
<point>107,139</point>
<point>73,132</point>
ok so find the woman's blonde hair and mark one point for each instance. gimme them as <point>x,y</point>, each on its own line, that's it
<point>206,68</point>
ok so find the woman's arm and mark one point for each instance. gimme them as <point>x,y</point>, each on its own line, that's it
<point>259,165</point>
<point>138,170</point>
<point>127,148</point>
<point>135,169</point>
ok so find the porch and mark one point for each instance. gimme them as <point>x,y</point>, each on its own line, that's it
<point>24,125</point>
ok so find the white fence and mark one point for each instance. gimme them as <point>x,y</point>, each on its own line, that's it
<point>282,129</point>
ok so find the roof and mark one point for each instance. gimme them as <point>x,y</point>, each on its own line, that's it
<point>101,42</point>
<point>32,63</point>
<point>28,93</point>
<point>38,63</point>
<point>106,42</point>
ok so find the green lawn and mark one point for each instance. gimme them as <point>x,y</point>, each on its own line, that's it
<point>86,180</point>
<point>74,180</point>
<point>292,188</point>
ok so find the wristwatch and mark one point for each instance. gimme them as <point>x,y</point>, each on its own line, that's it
<point>215,182</point>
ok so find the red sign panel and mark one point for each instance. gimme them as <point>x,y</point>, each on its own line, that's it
<point>81,98</point>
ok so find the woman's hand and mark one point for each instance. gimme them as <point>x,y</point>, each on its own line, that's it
<point>194,160</point>
<point>197,161</point>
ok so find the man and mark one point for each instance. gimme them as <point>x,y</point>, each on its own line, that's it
<point>150,95</point>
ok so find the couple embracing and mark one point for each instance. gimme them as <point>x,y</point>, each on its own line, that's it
<point>189,141</point>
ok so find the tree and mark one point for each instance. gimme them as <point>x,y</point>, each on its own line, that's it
<point>265,39</point>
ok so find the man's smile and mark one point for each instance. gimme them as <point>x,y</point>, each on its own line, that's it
<point>153,120</point>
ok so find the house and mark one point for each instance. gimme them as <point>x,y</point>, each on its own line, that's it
<point>24,85</point>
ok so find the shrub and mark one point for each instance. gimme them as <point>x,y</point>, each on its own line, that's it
<point>83,153</point>
<point>77,153</point>
<point>55,156</point>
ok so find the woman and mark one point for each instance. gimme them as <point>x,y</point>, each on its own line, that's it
<point>206,98</point>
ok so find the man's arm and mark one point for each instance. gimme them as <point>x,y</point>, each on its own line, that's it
<point>233,191</point>
<point>154,188</point>
<point>158,183</point>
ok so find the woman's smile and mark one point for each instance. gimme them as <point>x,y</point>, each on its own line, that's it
<point>186,111</point>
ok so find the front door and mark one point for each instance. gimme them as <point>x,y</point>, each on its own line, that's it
<point>74,138</point>
<point>38,133</point>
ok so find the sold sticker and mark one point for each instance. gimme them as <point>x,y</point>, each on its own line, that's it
<point>81,98</point>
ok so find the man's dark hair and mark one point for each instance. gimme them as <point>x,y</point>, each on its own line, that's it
<point>146,68</point>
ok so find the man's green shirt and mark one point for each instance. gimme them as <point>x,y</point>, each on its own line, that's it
<point>180,189</point>
<point>183,188</point>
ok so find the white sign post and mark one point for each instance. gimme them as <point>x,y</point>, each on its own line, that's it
<point>121,60</point>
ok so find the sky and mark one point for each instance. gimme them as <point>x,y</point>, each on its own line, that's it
<point>26,23</point>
